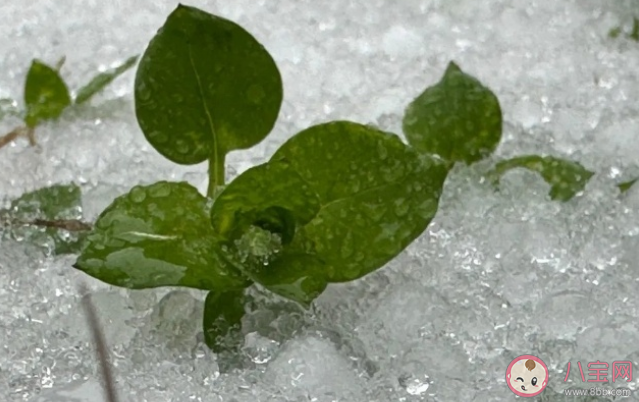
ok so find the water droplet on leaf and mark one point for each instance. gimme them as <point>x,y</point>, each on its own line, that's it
<point>137,194</point>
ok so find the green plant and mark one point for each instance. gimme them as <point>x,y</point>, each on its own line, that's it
<point>566,178</point>
<point>46,96</point>
<point>49,217</point>
<point>336,202</point>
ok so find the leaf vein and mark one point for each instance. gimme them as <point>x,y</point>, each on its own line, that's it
<point>206,110</point>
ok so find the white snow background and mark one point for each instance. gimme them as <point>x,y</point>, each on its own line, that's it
<point>495,276</point>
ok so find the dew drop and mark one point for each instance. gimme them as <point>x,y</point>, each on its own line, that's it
<point>160,190</point>
<point>182,147</point>
<point>143,94</point>
<point>137,195</point>
<point>347,246</point>
<point>158,137</point>
<point>401,208</point>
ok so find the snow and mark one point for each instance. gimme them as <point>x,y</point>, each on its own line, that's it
<point>497,274</point>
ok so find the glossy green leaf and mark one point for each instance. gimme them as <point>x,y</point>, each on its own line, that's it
<point>288,270</point>
<point>458,119</point>
<point>296,272</point>
<point>258,214</point>
<point>626,185</point>
<point>204,87</point>
<point>58,202</point>
<point>351,197</point>
<point>271,196</point>
<point>376,196</point>
<point>565,177</point>
<point>222,321</point>
<point>100,81</point>
<point>158,235</point>
<point>45,94</point>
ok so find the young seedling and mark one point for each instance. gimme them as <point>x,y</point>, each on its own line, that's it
<point>46,96</point>
<point>336,202</point>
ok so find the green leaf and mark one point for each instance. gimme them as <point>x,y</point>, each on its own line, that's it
<point>458,119</point>
<point>45,94</point>
<point>565,177</point>
<point>342,198</point>
<point>258,213</point>
<point>271,196</point>
<point>222,321</point>
<point>204,87</point>
<point>634,34</point>
<point>625,186</point>
<point>296,274</point>
<point>614,32</point>
<point>376,196</point>
<point>158,235</point>
<point>100,81</point>
<point>58,202</point>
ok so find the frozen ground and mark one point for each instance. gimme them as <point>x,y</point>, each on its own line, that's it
<point>496,275</point>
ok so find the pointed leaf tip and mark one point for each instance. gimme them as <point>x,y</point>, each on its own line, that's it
<point>458,119</point>
<point>452,68</point>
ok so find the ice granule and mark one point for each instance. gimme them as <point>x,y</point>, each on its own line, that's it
<point>496,275</point>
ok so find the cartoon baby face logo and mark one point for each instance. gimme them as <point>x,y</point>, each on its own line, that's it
<point>527,376</point>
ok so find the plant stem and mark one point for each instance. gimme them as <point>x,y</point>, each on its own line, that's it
<point>15,133</point>
<point>70,225</point>
<point>100,343</point>
<point>216,175</point>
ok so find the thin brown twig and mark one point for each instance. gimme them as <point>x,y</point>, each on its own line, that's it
<point>70,225</point>
<point>12,135</point>
<point>100,344</point>
<point>17,132</point>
